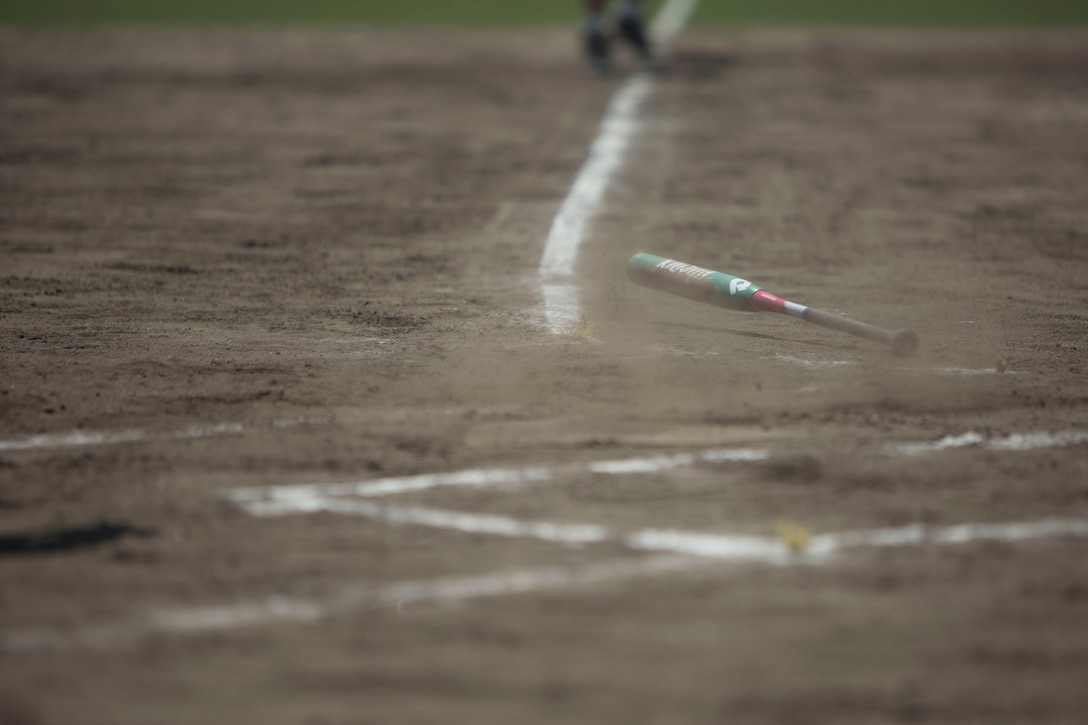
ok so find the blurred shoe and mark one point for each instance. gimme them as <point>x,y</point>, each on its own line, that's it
<point>630,27</point>
<point>596,47</point>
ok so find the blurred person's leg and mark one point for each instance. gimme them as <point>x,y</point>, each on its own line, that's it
<point>632,30</point>
<point>594,35</point>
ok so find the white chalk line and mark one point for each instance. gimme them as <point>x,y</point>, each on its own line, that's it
<point>562,308</point>
<point>962,372</point>
<point>280,609</point>
<point>464,522</point>
<point>519,477</point>
<point>132,435</point>
<point>500,478</point>
<point>558,286</point>
<point>813,364</point>
<point>920,534</point>
<point>671,19</point>
<point>773,550</point>
<point>288,500</point>
<point>675,550</point>
<point>697,550</point>
<point>1013,442</point>
<point>719,546</point>
<point>939,371</point>
<point>77,438</point>
<point>283,501</point>
<point>88,438</point>
<point>712,545</point>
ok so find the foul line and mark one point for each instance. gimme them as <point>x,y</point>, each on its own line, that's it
<point>672,18</point>
<point>562,310</point>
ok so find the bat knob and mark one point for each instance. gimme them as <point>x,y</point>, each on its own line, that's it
<point>904,343</point>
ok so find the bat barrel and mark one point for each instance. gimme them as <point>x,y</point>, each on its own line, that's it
<point>694,283</point>
<point>735,293</point>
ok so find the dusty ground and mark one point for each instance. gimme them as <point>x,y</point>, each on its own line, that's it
<point>327,246</point>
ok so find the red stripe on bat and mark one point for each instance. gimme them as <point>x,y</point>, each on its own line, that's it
<point>764,300</point>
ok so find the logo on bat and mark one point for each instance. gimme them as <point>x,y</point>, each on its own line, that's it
<point>687,269</point>
<point>738,285</point>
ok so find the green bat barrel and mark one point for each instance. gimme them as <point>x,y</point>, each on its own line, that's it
<point>694,283</point>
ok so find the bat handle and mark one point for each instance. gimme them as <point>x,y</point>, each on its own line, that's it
<point>902,342</point>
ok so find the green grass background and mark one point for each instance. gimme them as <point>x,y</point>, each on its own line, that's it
<point>485,13</point>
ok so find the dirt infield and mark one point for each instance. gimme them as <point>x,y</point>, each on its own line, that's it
<point>235,261</point>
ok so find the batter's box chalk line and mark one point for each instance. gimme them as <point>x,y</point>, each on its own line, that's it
<point>653,552</point>
<point>355,499</point>
<point>517,477</point>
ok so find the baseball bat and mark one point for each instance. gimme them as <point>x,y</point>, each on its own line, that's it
<point>734,293</point>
